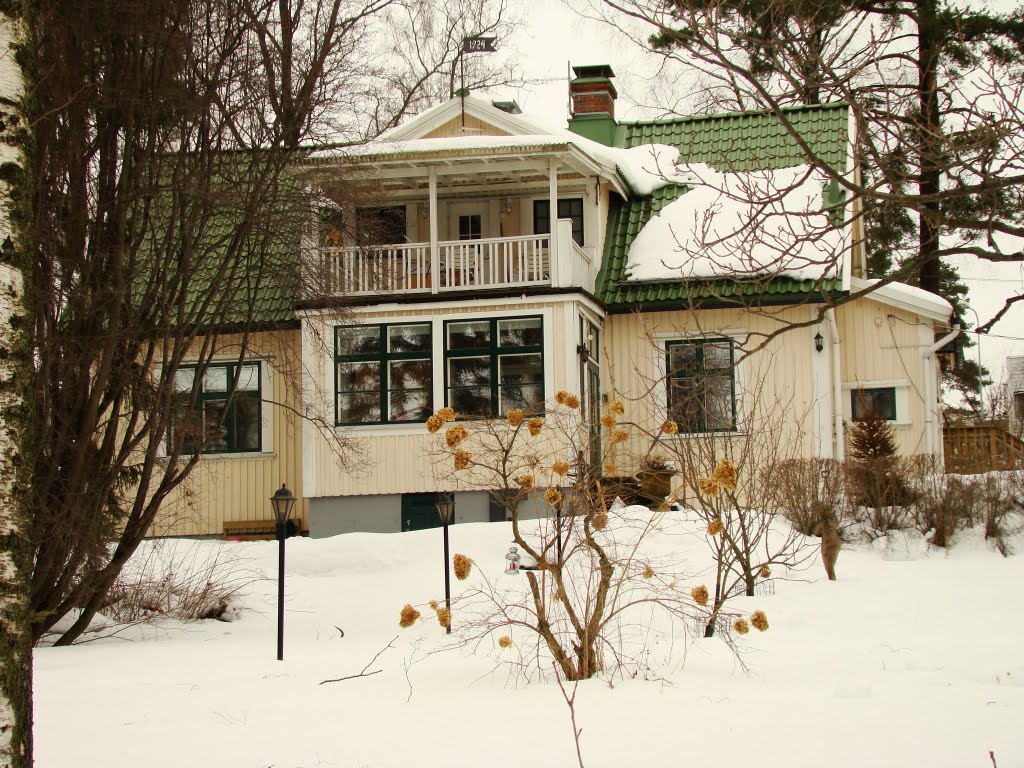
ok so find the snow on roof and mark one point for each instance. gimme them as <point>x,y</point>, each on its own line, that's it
<point>907,297</point>
<point>745,225</point>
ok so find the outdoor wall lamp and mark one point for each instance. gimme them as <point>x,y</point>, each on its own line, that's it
<point>819,341</point>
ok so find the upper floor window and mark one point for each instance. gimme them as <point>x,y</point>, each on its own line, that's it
<point>701,384</point>
<point>571,208</point>
<point>382,373</point>
<point>494,365</point>
<point>880,400</point>
<point>368,226</point>
<point>226,416</point>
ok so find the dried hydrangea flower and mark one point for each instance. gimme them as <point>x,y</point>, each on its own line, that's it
<point>560,467</point>
<point>715,527</point>
<point>741,626</point>
<point>708,486</point>
<point>447,413</point>
<point>765,572</point>
<point>648,572</point>
<point>608,421</point>
<point>533,461</point>
<point>725,474</point>
<point>609,469</point>
<point>619,436</point>
<point>525,482</point>
<point>560,396</point>
<point>408,617</point>
<point>553,496</point>
<point>462,459</point>
<point>616,407</point>
<point>515,417</point>
<point>504,641</point>
<point>434,423</point>
<point>759,620</point>
<point>462,565</point>
<point>444,617</point>
<point>571,401</point>
<point>599,521</point>
<point>669,427</point>
<point>455,435</point>
<point>534,425</point>
<point>433,605</point>
<point>700,595</point>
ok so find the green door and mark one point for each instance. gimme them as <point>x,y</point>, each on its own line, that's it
<point>419,511</point>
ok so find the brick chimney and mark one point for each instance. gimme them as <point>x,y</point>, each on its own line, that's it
<point>593,103</point>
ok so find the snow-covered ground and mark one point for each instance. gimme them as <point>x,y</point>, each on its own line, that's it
<point>913,658</point>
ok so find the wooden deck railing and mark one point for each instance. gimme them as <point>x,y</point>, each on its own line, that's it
<point>975,448</point>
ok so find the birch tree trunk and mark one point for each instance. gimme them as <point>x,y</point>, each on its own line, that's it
<point>15,548</point>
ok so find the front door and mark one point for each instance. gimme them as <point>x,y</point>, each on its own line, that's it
<point>468,221</point>
<point>419,511</point>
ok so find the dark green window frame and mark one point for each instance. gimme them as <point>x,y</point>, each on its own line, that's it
<point>568,208</point>
<point>225,436</point>
<point>496,353</point>
<point>882,400</point>
<point>689,390</point>
<point>384,358</point>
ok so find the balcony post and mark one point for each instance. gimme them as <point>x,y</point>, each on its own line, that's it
<point>553,218</point>
<point>435,255</point>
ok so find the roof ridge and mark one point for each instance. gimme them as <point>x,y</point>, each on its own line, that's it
<point>746,113</point>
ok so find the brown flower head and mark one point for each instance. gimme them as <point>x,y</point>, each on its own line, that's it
<point>515,417</point>
<point>741,626</point>
<point>462,458</point>
<point>765,572</point>
<point>616,407</point>
<point>725,474</point>
<point>455,435</point>
<point>708,486</point>
<point>433,605</point>
<point>462,565</point>
<point>553,496</point>
<point>434,423</point>
<point>408,616</point>
<point>715,527</point>
<point>534,425</point>
<point>669,427</point>
<point>447,414</point>
<point>599,521</point>
<point>571,401</point>
<point>609,469</point>
<point>533,461</point>
<point>525,482</point>
<point>759,620</point>
<point>700,595</point>
<point>560,396</point>
<point>648,572</point>
<point>608,421</point>
<point>444,617</point>
<point>504,641</point>
<point>560,468</point>
<point>619,436</point>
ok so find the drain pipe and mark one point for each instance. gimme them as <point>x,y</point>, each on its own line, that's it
<point>838,445</point>
<point>933,395</point>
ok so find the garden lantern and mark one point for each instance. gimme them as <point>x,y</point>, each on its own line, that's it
<point>446,511</point>
<point>282,503</point>
<point>512,564</point>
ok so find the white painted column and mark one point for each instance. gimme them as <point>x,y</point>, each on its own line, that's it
<point>821,389</point>
<point>553,259</point>
<point>435,253</point>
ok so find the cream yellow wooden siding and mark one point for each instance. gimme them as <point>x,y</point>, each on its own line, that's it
<point>401,459</point>
<point>882,343</point>
<point>236,487</point>
<point>774,385</point>
<point>472,126</point>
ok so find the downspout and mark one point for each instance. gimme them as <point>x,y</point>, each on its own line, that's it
<point>839,444</point>
<point>933,395</point>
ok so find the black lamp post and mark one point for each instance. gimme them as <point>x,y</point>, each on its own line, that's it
<point>282,503</point>
<point>446,511</point>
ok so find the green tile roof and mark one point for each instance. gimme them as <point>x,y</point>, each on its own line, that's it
<point>729,142</point>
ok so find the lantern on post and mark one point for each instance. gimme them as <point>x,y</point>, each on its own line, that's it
<point>512,562</point>
<point>282,503</point>
<point>446,511</point>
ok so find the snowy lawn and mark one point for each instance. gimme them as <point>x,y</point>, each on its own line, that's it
<point>913,658</point>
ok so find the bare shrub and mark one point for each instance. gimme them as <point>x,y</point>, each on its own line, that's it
<point>945,504</point>
<point>804,483</point>
<point>178,579</point>
<point>1001,506</point>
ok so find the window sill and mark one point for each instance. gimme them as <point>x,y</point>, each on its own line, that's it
<point>691,435</point>
<point>262,455</point>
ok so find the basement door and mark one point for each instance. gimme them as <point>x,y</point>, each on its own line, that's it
<point>419,511</point>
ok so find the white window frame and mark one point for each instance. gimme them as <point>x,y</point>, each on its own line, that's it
<point>901,387</point>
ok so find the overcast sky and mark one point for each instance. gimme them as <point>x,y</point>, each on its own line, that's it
<point>554,36</point>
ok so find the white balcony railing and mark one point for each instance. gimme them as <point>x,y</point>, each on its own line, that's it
<point>461,265</point>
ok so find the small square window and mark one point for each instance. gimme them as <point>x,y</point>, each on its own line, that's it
<point>880,400</point>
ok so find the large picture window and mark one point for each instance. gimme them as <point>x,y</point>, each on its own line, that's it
<point>494,365</point>
<point>701,385</point>
<point>383,374</point>
<point>226,416</point>
<point>567,209</point>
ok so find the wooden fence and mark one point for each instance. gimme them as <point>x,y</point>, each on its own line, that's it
<point>974,448</point>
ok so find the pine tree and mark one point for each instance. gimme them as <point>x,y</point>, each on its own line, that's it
<point>872,438</point>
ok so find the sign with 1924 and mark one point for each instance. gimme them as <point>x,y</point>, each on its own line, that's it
<point>479,44</point>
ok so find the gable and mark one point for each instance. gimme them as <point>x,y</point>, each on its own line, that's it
<point>469,125</point>
<point>443,117</point>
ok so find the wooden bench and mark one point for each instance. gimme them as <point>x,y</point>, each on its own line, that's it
<point>257,530</point>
